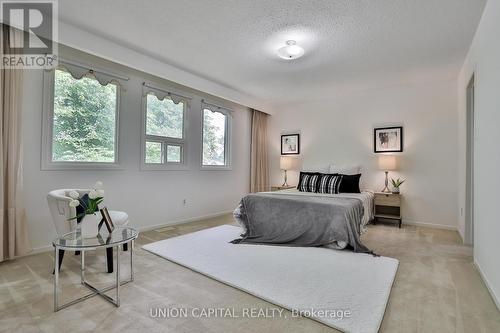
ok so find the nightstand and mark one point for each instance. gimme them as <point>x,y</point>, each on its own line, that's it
<point>280,187</point>
<point>388,206</point>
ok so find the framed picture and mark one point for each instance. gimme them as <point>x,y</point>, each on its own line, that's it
<point>107,219</point>
<point>388,139</point>
<point>290,144</point>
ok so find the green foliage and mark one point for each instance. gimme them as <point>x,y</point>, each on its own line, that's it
<point>84,119</point>
<point>214,128</point>
<point>91,208</point>
<point>153,152</point>
<point>398,182</point>
<point>164,117</point>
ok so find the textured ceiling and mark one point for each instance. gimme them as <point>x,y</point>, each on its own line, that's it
<point>350,44</point>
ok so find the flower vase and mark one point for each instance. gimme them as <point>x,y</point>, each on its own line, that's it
<point>89,226</point>
<point>395,190</point>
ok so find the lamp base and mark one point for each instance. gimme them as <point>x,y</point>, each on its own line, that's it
<point>386,188</point>
<point>285,183</point>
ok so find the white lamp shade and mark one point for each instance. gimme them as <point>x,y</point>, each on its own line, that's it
<point>387,162</point>
<point>286,163</point>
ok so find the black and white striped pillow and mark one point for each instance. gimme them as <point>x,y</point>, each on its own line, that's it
<point>329,183</point>
<point>308,182</point>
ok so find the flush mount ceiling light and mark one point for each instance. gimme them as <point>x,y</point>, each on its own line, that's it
<point>291,51</point>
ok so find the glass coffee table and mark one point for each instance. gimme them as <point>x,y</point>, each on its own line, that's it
<point>73,241</point>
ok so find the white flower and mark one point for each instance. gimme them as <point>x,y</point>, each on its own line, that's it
<point>74,203</point>
<point>100,193</point>
<point>98,185</point>
<point>74,194</point>
<point>93,194</point>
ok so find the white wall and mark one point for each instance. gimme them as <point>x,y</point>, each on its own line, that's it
<point>340,130</point>
<point>149,197</point>
<point>112,50</point>
<point>484,61</point>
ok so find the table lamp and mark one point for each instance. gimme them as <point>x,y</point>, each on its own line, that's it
<point>387,163</point>
<point>286,163</point>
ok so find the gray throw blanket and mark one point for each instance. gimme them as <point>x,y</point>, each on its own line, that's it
<point>281,219</point>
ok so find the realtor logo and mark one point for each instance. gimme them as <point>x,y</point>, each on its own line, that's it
<point>29,34</point>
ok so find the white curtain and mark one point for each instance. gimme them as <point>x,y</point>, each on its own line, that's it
<point>13,232</point>
<point>259,167</point>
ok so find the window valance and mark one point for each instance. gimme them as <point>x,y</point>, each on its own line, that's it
<point>216,108</point>
<point>80,70</point>
<point>161,94</point>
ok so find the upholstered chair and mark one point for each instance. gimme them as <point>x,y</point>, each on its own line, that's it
<point>58,201</point>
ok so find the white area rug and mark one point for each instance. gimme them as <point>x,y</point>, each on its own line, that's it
<point>295,278</point>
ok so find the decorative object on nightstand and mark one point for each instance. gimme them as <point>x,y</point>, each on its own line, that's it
<point>388,206</point>
<point>396,184</point>
<point>387,163</point>
<point>286,163</point>
<point>281,187</point>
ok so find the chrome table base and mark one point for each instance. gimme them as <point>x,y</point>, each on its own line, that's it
<point>94,291</point>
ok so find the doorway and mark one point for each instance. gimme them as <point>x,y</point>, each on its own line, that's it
<point>469,169</point>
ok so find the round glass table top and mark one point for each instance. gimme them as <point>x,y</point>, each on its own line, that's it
<point>74,239</point>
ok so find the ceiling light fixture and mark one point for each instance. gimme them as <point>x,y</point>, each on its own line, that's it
<point>291,51</point>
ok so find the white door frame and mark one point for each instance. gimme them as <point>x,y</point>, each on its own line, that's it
<point>469,169</point>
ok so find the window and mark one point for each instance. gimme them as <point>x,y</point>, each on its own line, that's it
<point>154,153</point>
<point>82,121</point>
<point>215,150</point>
<point>164,132</point>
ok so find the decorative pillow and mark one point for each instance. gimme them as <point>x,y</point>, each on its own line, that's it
<point>350,184</point>
<point>308,181</point>
<point>329,183</point>
<point>345,169</point>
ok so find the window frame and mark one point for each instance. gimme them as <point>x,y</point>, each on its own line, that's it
<point>162,151</point>
<point>166,141</point>
<point>47,163</point>
<point>227,138</point>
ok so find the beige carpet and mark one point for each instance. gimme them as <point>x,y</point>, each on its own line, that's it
<point>341,289</point>
<point>437,289</point>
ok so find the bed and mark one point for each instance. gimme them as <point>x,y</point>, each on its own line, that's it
<point>293,218</point>
<point>366,197</point>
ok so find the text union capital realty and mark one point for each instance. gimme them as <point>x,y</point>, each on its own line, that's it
<point>216,313</point>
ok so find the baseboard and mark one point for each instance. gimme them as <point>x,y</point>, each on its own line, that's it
<point>38,250</point>
<point>203,217</point>
<point>183,221</point>
<point>48,248</point>
<point>430,225</point>
<point>496,300</point>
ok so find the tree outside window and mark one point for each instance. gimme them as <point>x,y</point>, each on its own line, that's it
<point>84,122</point>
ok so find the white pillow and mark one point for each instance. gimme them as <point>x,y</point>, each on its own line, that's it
<point>345,169</point>
<point>320,169</point>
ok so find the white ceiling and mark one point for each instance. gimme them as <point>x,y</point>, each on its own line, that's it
<point>350,44</point>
